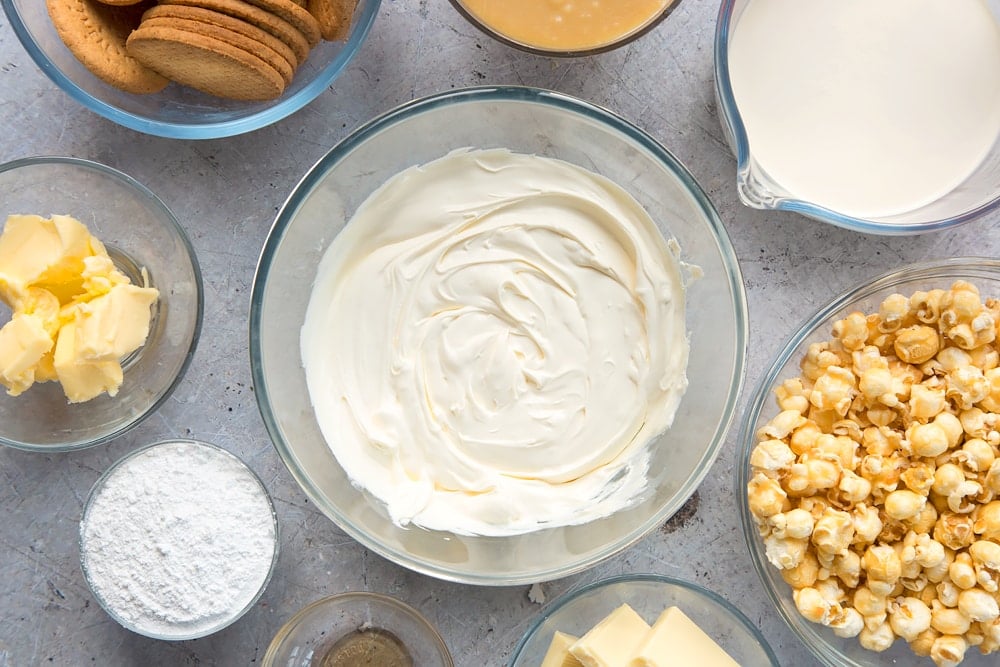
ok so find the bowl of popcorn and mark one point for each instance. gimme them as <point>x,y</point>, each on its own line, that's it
<point>100,303</point>
<point>870,468</point>
<point>192,69</point>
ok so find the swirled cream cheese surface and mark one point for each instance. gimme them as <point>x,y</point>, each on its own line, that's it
<point>493,341</point>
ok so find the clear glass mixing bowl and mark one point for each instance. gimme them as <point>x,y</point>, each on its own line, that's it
<point>829,649</point>
<point>649,594</point>
<point>977,196</point>
<point>528,121</point>
<point>178,112</point>
<point>140,233</point>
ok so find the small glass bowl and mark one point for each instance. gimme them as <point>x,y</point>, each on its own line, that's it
<point>977,196</point>
<point>580,609</point>
<point>523,120</point>
<point>177,112</point>
<point>829,649</point>
<point>140,233</point>
<point>187,633</point>
<point>310,633</point>
<point>626,38</point>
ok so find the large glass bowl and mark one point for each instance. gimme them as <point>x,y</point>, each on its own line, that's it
<point>529,121</point>
<point>178,112</point>
<point>649,594</point>
<point>978,195</point>
<point>141,236</point>
<point>829,649</point>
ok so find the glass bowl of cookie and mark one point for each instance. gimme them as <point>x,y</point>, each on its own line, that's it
<point>192,69</point>
<point>869,467</point>
<point>100,303</point>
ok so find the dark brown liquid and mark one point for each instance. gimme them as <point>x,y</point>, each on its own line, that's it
<point>372,647</point>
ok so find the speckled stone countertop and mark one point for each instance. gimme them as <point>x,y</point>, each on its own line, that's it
<point>662,82</point>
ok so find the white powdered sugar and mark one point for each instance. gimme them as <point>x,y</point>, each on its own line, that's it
<point>178,540</point>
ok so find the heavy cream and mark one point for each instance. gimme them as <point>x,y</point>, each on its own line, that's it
<point>493,341</point>
<point>868,107</point>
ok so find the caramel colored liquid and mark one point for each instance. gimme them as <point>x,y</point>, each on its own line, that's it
<point>367,648</point>
<point>565,25</point>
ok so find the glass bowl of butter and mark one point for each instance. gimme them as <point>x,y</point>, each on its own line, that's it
<point>642,619</point>
<point>565,28</point>
<point>357,628</point>
<point>100,303</point>
<point>489,375</point>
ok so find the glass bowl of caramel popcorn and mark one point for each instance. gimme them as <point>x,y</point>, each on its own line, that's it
<point>870,481</point>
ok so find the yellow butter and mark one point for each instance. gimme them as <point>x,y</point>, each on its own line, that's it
<point>80,378</point>
<point>113,324</point>
<point>45,253</point>
<point>74,314</point>
<point>612,642</point>
<point>23,343</point>
<point>558,654</point>
<point>677,640</point>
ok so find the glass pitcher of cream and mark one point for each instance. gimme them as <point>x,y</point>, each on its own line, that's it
<point>881,116</point>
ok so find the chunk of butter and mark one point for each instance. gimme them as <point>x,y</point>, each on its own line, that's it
<point>558,654</point>
<point>23,343</point>
<point>74,314</point>
<point>677,640</point>
<point>612,642</point>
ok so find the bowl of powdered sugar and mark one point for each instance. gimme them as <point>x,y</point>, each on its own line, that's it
<point>178,540</point>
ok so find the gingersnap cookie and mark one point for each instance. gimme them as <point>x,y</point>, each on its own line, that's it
<point>227,22</point>
<point>294,14</point>
<point>205,63</point>
<point>120,3</point>
<point>333,17</point>
<point>96,34</point>
<point>264,20</point>
<point>273,58</point>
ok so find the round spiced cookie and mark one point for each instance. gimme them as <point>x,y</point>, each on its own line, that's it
<point>95,34</point>
<point>227,22</point>
<point>294,14</point>
<point>231,37</point>
<point>254,15</point>
<point>333,17</point>
<point>206,64</point>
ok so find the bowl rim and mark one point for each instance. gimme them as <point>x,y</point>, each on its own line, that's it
<point>173,223</point>
<point>98,486</point>
<point>506,94</point>
<point>281,109</point>
<point>761,396</point>
<point>732,123</point>
<point>625,39</point>
<point>336,599</point>
<point>570,596</point>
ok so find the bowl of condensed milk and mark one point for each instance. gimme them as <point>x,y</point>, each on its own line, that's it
<point>497,335</point>
<point>565,27</point>
<point>881,117</point>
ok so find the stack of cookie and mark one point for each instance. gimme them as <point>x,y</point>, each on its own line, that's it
<point>238,49</point>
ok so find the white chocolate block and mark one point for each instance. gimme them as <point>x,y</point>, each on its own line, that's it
<point>677,640</point>
<point>613,641</point>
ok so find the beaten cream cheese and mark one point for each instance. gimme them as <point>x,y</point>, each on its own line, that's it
<point>492,342</point>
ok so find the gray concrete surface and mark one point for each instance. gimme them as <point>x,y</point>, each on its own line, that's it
<point>663,83</point>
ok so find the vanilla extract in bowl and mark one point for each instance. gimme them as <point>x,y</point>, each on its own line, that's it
<point>367,647</point>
